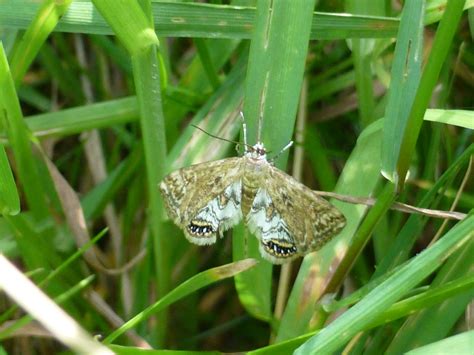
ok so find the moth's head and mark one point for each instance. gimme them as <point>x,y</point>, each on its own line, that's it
<point>257,152</point>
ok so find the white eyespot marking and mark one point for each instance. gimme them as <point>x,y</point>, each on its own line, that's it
<point>220,214</point>
<point>276,242</point>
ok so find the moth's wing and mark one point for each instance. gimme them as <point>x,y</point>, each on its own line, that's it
<point>290,219</point>
<point>204,199</point>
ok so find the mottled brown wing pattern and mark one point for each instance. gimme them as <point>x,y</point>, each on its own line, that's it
<point>204,199</point>
<point>297,221</point>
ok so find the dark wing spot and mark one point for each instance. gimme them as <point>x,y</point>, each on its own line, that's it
<point>279,248</point>
<point>199,228</point>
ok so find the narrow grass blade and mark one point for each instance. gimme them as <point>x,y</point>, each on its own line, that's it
<point>362,50</point>
<point>195,283</point>
<point>38,30</point>
<point>207,63</point>
<point>135,30</point>
<point>431,297</point>
<point>405,240</point>
<point>147,83</point>
<point>458,344</point>
<point>127,350</point>
<point>460,118</point>
<point>436,322</point>
<point>355,319</point>
<point>405,78</point>
<point>9,199</point>
<point>66,79</point>
<point>19,137</point>
<point>129,23</point>
<point>284,347</point>
<point>362,235</point>
<point>273,86</point>
<point>441,46</point>
<point>202,20</point>
<point>94,202</point>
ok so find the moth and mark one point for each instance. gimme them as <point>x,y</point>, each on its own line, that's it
<point>288,218</point>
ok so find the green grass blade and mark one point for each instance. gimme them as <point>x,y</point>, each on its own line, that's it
<point>458,344</point>
<point>405,240</point>
<point>201,280</point>
<point>436,322</point>
<point>129,350</point>
<point>38,30</point>
<point>9,199</point>
<point>284,347</point>
<point>362,58</point>
<point>405,78</point>
<point>426,299</point>
<point>95,201</point>
<point>362,235</point>
<point>460,118</point>
<point>83,118</point>
<point>207,63</point>
<point>119,111</point>
<point>19,137</point>
<point>129,23</point>
<point>355,319</point>
<point>436,8</point>
<point>441,45</point>
<point>67,80</point>
<point>272,92</point>
<point>201,20</point>
<point>147,83</point>
<point>135,31</point>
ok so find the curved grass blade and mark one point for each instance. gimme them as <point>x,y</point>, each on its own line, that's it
<point>195,283</point>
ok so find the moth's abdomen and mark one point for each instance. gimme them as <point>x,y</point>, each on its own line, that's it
<point>249,191</point>
<point>253,179</point>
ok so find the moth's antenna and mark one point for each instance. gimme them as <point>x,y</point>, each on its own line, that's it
<point>286,147</point>
<point>222,139</point>
<point>244,128</point>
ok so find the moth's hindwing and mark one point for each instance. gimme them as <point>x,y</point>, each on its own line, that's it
<point>265,221</point>
<point>289,219</point>
<point>204,199</point>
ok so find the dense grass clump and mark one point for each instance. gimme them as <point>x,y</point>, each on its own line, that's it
<point>98,102</point>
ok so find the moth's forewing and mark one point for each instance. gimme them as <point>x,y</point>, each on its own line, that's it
<point>204,199</point>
